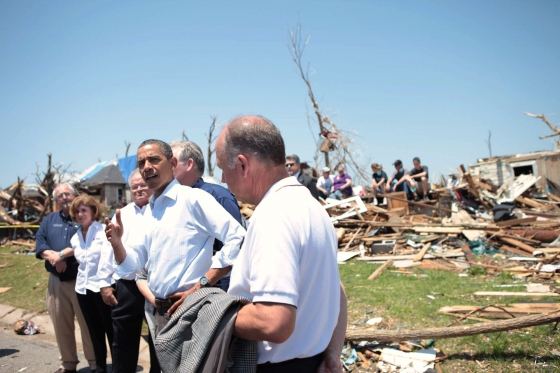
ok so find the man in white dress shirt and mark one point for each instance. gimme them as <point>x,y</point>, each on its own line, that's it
<point>176,239</point>
<point>288,265</point>
<point>126,300</point>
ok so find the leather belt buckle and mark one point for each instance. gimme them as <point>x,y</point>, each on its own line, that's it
<point>163,303</point>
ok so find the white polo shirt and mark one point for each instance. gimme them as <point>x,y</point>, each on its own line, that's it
<point>289,256</point>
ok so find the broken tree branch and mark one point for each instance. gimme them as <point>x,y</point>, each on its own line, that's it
<point>452,332</point>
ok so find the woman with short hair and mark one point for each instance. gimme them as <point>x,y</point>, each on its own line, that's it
<point>88,245</point>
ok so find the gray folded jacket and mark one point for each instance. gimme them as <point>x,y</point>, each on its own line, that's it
<point>198,337</point>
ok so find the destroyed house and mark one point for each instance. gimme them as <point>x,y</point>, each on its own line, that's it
<point>545,165</point>
<point>108,184</point>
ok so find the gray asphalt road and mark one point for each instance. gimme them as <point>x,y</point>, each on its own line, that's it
<point>30,354</point>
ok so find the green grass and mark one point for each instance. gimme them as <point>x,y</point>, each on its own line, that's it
<point>403,303</point>
<point>27,278</point>
<point>401,300</point>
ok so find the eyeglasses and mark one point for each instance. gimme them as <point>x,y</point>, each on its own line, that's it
<point>62,195</point>
<point>290,164</point>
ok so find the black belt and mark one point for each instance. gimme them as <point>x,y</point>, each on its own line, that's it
<point>164,303</point>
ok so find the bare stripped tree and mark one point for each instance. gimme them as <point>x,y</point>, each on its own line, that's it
<point>211,149</point>
<point>345,147</point>
<point>556,130</point>
<point>127,144</point>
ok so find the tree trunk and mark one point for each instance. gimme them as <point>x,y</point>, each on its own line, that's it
<point>451,332</point>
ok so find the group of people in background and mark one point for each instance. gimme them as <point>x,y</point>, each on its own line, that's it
<point>413,182</point>
<point>180,235</point>
<point>339,186</point>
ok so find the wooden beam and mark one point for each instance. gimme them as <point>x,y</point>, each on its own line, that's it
<point>420,255</point>
<point>510,223</point>
<point>529,202</point>
<point>514,294</point>
<point>518,244</point>
<point>380,269</point>
<point>417,203</point>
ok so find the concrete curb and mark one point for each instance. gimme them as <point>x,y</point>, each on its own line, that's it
<point>9,315</point>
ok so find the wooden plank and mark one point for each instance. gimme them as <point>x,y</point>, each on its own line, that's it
<point>510,223</point>
<point>380,258</point>
<point>514,294</point>
<point>3,290</point>
<point>473,187</point>
<point>422,252</point>
<point>469,254</point>
<point>529,202</point>
<point>417,203</point>
<point>380,269</point>
<point>517,243</point>
<point>553,197</point>
<point>397,200</point>
<point>446,230</point>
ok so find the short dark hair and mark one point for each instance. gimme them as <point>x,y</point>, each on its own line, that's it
<point>416,159</point>
<point>255,136</point>
<point>294,158</point>
<point>163,147</point>
<point>188,149</point>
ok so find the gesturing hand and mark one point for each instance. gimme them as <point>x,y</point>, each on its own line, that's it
<point>114,231</point>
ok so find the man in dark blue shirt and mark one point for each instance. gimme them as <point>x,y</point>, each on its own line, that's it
<point>53,245</point>
<point>189,171</point>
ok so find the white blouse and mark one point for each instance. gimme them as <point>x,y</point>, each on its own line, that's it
<point>91,275</point>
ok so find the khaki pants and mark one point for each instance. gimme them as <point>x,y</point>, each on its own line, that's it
<point>62,304</point>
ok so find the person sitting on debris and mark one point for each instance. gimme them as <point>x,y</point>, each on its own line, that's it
<point>419,174</point>
<point>397,181</point>
<point>342,185</point>
<point>53,245</point>
<point>294,169</point>
<point>379,178</point>
<point>325,183</point>
<point>89,245</point>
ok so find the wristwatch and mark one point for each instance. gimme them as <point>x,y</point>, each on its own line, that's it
<point>204,282</point>
<point>61,254</point>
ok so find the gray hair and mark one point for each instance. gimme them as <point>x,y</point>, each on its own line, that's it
<point>186,150</point>
<point>294,158</point>
<point>64,184</point>
<point>136,171</point>
<point>255,136</point>
<point>163,147</point>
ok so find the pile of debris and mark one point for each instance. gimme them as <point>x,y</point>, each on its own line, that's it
<point>461,219</point>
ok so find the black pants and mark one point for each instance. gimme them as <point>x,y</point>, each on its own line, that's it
<point>127,326</point>
<point>98,320</point>
<point>305,365</point>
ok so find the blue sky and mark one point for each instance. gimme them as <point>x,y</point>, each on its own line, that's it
<point>412,78</point>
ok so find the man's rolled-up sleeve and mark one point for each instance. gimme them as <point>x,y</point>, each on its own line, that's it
<point>105,270</point>
<point>136,258</point>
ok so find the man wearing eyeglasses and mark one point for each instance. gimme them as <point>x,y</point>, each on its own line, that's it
<point>294,169</point>
<point>52,242</point>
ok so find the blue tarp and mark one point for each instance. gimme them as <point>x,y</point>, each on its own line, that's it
<point>127,165</point>
<point>96,168</point>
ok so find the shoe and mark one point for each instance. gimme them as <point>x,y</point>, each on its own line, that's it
<point>416,198</point>
<point>62,370</point>
<point>426,199</point>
